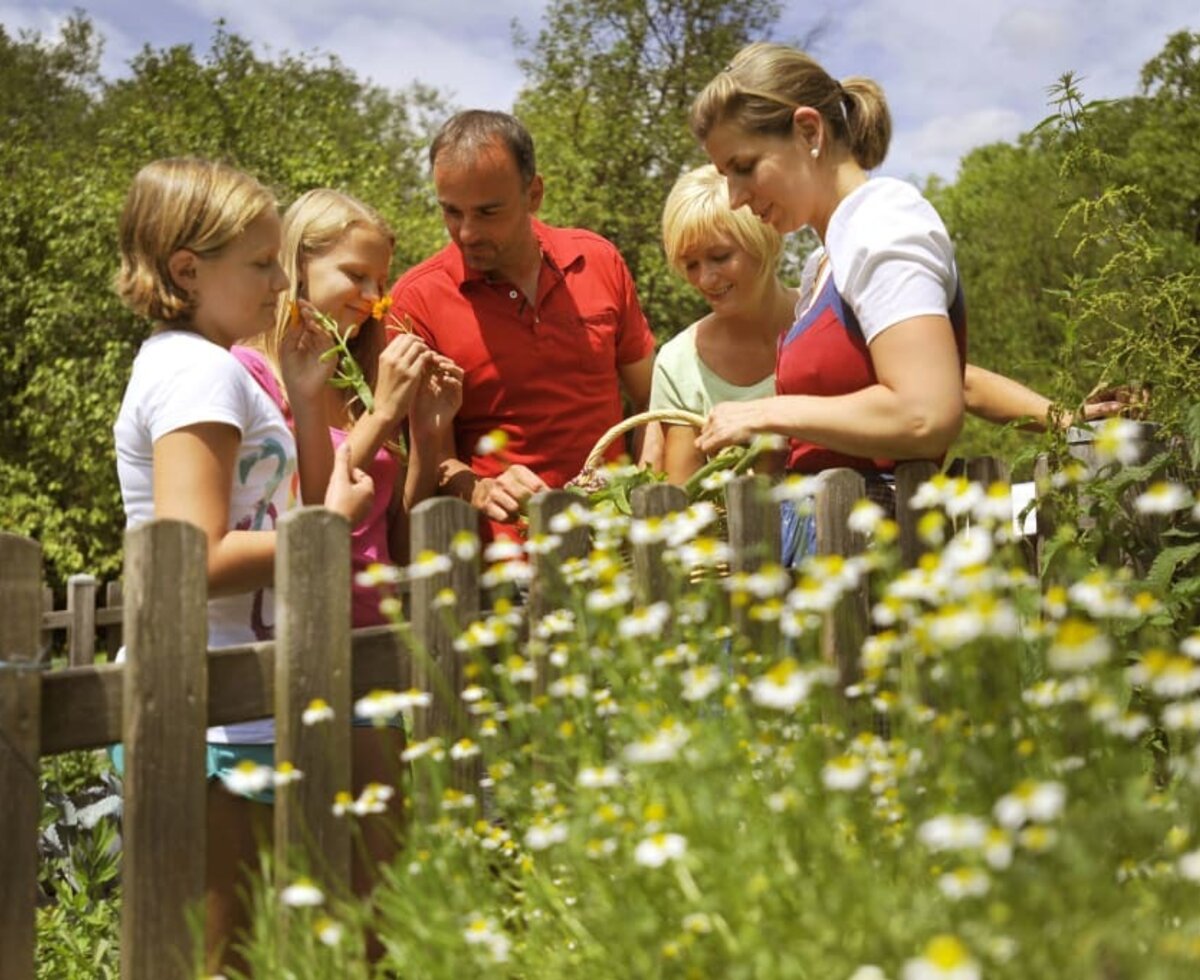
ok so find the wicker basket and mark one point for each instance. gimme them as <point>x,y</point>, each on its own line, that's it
<point>587,478</point>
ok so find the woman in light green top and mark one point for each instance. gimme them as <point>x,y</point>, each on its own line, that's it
<point>732,259</point>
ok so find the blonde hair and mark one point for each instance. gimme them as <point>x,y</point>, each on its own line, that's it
<point>697,210</point>
<point>764,85</point>
<point>315,223</point>
<point>180,203</point>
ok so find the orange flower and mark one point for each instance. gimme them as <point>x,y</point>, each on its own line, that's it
<point>381,306</point>
<point>293,315</point>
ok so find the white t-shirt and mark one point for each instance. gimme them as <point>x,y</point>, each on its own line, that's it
<point>890,254</point>
<point>181,379</point>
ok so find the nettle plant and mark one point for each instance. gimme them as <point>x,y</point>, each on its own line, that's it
<point>661,793</point>
<point>1130,504</point>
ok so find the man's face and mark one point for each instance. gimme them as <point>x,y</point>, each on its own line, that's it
<point>487,209</point>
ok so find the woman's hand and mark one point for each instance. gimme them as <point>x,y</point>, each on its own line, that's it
<point>730,424</point>
<point>305,374</point>
<point>403,367</point>
<point>351,490</point>
<point>438,399</point>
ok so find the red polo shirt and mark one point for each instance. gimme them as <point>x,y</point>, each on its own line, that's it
<point>545,373</point>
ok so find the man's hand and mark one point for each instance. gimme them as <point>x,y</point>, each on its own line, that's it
<point>501,498</point>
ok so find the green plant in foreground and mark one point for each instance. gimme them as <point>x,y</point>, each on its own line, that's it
<point>666,795</point>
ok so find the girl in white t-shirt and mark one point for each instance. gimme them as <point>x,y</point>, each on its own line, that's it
<point>198,440</point>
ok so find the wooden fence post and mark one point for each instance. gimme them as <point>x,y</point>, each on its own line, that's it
<point>81,633</point>
<point>437,667</point>
<point>47,633</point>
<point>20,747</point>
<point>847,624</point>
<point>754,522</point>
<point>165,697</point>
<point>312,660</point>
<point>113,630</point>
<point>910,474</point>
<point>548,587</point>
<point>651,577</point>
<point>753,519</point>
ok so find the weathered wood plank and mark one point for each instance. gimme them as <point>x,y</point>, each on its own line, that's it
<point>165,707</point>
<point>438,667</point>
<point>651,577</point>
<point>20,801</point>
<point>847,625</point>
<point>81,706</point>
<point>81,607</point>
<point>909,476</point>
<point>548,590</point>
<point>312,660</point>
<point>753,519</point>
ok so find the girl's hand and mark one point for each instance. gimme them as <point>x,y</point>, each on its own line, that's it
<point>351,490</point>
<point>403,366</point>
<point>305,374</point>
<point>437,400</point>
<point>729,424</point>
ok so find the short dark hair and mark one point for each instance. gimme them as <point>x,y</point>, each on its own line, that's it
<point>472,130</point>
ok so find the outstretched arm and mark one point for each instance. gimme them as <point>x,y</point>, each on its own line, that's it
<point>914,411</point>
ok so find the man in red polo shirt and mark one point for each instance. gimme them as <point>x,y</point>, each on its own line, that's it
<point>544,321</point>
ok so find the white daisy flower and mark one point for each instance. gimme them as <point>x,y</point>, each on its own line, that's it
<point>944,958</point>
<point>658,849</point>
<point>1039,802</point>
<point>1163,498</point>
<point>844,773</point>
<point>964,883</point>
<point>599,777</point>
<point>248,778</point>
<point>302,893</point>
<point>318,710</point>
<point>953,832</point>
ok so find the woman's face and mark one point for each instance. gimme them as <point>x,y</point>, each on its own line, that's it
<point>724,273</point>
<point>345,281</point>
<point>772,175</point>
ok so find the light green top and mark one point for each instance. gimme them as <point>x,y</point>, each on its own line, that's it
<point>683,380</point>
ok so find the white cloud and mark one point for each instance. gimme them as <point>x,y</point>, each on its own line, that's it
<point>958,70</point>
<point>942,141</point>
<point>954,70</point>
<point>1026,32</point>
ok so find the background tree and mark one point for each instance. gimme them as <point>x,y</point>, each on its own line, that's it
<point>608,84</point>
<point>296,123</point>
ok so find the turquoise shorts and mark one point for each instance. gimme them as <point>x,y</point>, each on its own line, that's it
<point>220,759</point>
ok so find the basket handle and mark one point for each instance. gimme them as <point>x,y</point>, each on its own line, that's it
<point>675,416</point>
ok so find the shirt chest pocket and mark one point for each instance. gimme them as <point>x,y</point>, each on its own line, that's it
<point>597,342</point>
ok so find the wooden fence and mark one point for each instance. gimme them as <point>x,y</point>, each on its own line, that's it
<point>159,701</point>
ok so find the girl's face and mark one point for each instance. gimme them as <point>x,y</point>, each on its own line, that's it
<point>772,175</point>
<point>235,290</point>
<point>345,281</point>
<point>724,273</point>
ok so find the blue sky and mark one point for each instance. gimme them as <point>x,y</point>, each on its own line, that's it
<point>958,73</point>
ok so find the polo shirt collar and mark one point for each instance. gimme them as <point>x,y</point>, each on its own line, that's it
<point>558,247</point>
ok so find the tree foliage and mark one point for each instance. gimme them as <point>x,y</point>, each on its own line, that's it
<point>296,123</point>
<point>1080,245</point>
<point>607,91</point>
